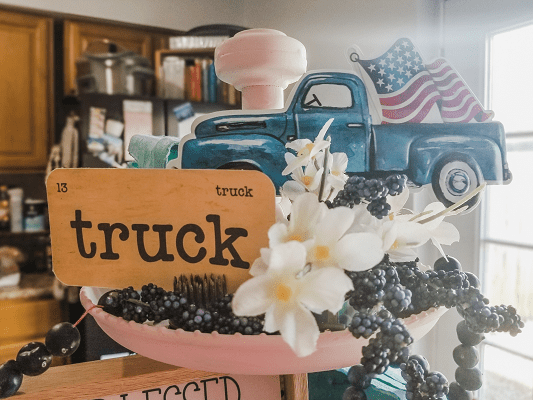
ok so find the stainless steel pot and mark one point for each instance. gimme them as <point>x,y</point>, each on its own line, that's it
<point>106,68</point>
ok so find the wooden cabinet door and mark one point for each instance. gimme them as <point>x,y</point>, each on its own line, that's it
<point>26,104</point>
<point>78,35</point>
<point>24,321</point>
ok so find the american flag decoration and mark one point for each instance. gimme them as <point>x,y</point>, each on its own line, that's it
<point>457,104</point>
<point>409,91</point>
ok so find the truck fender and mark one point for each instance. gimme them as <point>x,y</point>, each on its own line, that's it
<point>425,153</point>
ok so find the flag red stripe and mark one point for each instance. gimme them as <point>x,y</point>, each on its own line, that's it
<point>413,104</point>
<point>458,113</point>
<point>453,90</point>
<point>457,101</point>
<point>406,112</point>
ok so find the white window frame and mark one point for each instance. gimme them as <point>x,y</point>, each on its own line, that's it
<point>466,29</point>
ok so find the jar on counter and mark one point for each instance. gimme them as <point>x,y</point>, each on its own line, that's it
<point>34,215</point>
<point>5,224</point>
<point>17,209</point>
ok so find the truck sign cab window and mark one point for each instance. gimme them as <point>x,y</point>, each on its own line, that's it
<point>326,95</point>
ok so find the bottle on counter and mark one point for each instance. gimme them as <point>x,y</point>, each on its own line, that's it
<point>5,221</point>
<point>17,209</point>
<point>34,215</point>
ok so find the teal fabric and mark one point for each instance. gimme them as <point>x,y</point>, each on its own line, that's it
<point>331,385</point>
<point>152,151</point>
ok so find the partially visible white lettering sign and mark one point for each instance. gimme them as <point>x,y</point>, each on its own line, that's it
<point>224,387</point>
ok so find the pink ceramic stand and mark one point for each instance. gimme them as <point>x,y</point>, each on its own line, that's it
<point>260,63</point>
<point>238,354</point>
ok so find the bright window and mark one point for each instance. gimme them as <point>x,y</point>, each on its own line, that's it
<point>507,230</point>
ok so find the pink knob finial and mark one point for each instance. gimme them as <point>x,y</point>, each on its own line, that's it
<point>260,63</point>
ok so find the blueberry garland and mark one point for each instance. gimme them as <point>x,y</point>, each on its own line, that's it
<point>370,191</point>
<point>205,307</point>
<point>35,358</point>
<point>399,290</point>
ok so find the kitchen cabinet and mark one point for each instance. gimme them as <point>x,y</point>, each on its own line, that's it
<point>78,35</point>
<point>33,316</point>
<point>26,99</point>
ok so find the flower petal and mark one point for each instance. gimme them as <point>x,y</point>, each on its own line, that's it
<point>432,209</point>
<point>260,265</point>
<point>359,251</point>
<point>293,189</point>
<point>412,234</point>
<point>319,146</point>
<point>253,297</point>
<point>300,331</point>
<point>289,257</point>
<point>390,232</point>
<point>273,319</point>
<point>278,233</point>
<point>316,179</point>
<point>298,144</point>
<point>397,202</point>
<point>446,234</point>
<point>325,289</point>
<point>295,163</point>
<point>306,212</point>
<point>324,129</point>
<point>334,224</point>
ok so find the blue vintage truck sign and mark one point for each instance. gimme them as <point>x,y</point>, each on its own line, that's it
<point>454,158</point>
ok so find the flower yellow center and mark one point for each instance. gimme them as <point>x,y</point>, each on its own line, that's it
<point>283,292</point>
<point>322,252</point>
<point>306,150</point>
<point>307,180</point>
<point>335,173</point>
<point>391,216</point>
<point>296,237</point>
<point>395,245</point>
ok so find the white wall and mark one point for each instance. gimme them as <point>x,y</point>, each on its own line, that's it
<point>173,14</point>
<point>327,28</point>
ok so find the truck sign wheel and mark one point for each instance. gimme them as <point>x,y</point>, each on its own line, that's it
<point>454,177</point>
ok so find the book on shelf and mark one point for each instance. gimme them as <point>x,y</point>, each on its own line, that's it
<point>173,78</point>
<point>212,82</point>
<point>194,79</point>
<point>194,76</point>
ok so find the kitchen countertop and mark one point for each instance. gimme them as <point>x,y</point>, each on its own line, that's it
<point>31,286</point>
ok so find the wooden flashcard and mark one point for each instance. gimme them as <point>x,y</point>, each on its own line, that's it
<point>120,227</point>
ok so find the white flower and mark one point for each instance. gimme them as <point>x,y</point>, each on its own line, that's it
<point>352,252</point>
<point>283,207</point>
<point>403,231</point>
<point>401,236</point>
<point>337,164</point>
<point>439,232</point>
<point>307,150</point>
<point>306,212</point>
<point>303,181</point>
<point>288,294</point>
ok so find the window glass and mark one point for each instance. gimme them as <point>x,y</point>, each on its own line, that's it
<point>511,65</point>
<point>506,375</point>
<point>507,205</point>
<point>507,279</point>
<point>327,95</point>
<point>506,246</point>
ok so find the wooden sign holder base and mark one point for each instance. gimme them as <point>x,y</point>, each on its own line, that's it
<point>98,379</point>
